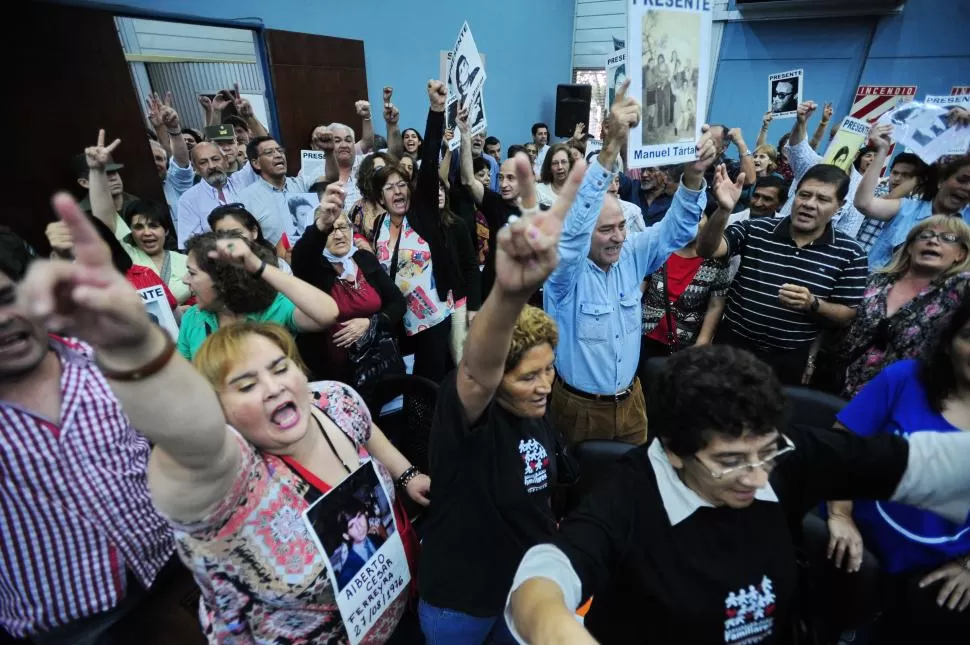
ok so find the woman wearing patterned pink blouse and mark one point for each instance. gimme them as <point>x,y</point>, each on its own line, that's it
<point>907,301</point>
<point>240,451</point>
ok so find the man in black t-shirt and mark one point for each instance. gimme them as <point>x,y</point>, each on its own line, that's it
<point>495,206</point>
<point>702,552</point>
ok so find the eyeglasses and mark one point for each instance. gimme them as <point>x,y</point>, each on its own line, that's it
<point>342,229</point>
<point>768,464</point>
<point>946,238</point>
<point>401,185</point>
<point>272,151</point>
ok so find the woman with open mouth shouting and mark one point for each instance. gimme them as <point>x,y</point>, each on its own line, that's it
<point>420,245</point>
<point>920,289</point>
<point>239,450</point>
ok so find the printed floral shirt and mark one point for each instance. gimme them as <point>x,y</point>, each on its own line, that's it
<point>261,576</point>
<point>905,334</point>
<point>414,277</point>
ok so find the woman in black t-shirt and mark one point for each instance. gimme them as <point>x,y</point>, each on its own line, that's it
<point>492,449</point>
<point>689,541</point>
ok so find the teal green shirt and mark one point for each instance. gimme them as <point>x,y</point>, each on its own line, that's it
<point>198,324</point>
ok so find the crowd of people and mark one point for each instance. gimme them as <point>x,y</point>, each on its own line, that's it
<point>549,296</point>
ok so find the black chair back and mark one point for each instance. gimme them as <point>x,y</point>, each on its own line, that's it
<point>596,459</point>
<point>812,408</point>
<point>409,429</point>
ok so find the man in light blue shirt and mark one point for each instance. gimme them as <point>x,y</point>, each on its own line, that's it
<point>217,188</point>
<point>594,294</point>
<point>267,197</point>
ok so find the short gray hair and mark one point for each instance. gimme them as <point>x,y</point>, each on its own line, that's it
<point>340,126</point>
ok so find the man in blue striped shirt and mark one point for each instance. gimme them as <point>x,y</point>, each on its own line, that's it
<point>594,293</point>
<point>797,274</point>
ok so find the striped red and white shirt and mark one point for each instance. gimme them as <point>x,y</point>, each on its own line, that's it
<point>75,512</point>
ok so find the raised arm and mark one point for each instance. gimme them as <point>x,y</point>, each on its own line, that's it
<point>800,130</point>
<point>876,207</point>
<point>444,170</point>
<point>763,133</point>
<point>745,157</point>
<point>245,110</point>
<point>102,204</point>
<point>366,142</point>
<point>173,128</point>
<point>711,242</point>
<point>195,459</point>
<point>468,178</point>
<point>426,192</point>
<point>820,130</point>
<point>525,256</point>
<point>392,118</point>
<point>154,105</point>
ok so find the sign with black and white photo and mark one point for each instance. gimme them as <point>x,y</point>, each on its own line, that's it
<point>159,309</point>
<point>671,48</point>
<point>785,93</point>
<point>300,209</point>
<point>615,74</point>
<point>926,131</point>
<point>593,147</point>
<point>354,528</point>
<point>850,137</point>
<point>313,163</point>
<point>466,85</point>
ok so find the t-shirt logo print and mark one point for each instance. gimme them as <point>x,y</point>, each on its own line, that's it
<point>535,461</point>
<point>749,614</point>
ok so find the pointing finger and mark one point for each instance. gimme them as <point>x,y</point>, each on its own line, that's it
<point>526,176</point>
<point>114,144</point>
<point>621,91</point>
<point>101,137</point>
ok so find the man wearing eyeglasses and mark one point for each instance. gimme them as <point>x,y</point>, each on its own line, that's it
<point>267,197</point>
<point>687,540</point>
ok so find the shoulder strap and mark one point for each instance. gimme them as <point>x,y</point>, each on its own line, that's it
<point>671,331</point>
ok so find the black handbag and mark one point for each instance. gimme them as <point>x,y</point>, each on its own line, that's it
<point>374,356</point>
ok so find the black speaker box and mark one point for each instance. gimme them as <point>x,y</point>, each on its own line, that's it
<point>572,107</point>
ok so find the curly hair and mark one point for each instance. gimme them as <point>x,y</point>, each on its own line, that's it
<point>715,389</point>
<point>936,367</point>
<point>545,175</point>
<point>365,175</point>
<point>533,328</point>
<point>938,173</point>
<point>239,291</point>
<point>225,347</point>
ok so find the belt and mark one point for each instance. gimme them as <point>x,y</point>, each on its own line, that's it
<point>622,395</point>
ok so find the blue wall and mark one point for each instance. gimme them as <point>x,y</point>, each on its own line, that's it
<point>927,45</point>
<point>526,43</point>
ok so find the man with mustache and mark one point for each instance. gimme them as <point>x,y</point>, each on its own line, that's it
<point>217,188</point>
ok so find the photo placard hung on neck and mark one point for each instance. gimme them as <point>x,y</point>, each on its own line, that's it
<point>159,310</point>
<point>300,213</point>
<point>785,93</point>
<point>357,535</point>
<point>850,137</point>
<point>671,46</point>
<point>615,74</point>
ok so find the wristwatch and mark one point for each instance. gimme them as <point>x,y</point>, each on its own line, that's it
<point>815,304</point>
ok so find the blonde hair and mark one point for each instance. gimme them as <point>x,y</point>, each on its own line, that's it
<point>227,347</point>
<point>770,151</point>
<point>951,224</point>
<point>533,328</point>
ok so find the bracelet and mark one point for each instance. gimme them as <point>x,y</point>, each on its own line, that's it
<point>258,273</point>
<point>148,369</point>
<point>174,133</point>
<point>407,476</point>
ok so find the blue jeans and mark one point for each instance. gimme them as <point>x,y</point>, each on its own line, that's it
<point>450,627</point>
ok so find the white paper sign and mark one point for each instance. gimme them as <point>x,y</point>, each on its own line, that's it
<point>356,533</point>
<point>785,93</point>
<point>300,209</point>
<point>313,163</point>
<point>668,59</point>
<point>159,310</point>
<point>963,101</point>
<point>615,74</point>
<point>926,131</point>
<point>593,147</point>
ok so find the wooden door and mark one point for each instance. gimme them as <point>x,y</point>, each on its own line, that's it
<point>69,78</point>
<point>316,80</point>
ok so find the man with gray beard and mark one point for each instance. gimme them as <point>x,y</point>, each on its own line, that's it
<point>217,188</point>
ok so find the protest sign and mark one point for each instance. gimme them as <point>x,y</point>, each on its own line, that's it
<point>313,163</point>
<point>962,100</point>
<point>671,46</point>
<point>159,309</point>
<point>618,44</point>
<point>354,528</point>
<point>852,135</point>
<point>872,101</point>
<point>444,63</point>
<point>959,90</point>
<point>466,73</point>
<point>615,74</point>
<point>593,147</point>
<point>926,131</point>
<point>785,93</point>
<point>300,208</point>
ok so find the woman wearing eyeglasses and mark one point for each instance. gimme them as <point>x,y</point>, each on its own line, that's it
<point>424,249</point>
<point>688,539</point>
<point>369,302</point>
<point>924,558</point>
<point>926,281</point>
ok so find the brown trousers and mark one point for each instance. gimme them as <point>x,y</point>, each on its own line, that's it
<point>579,419</point>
